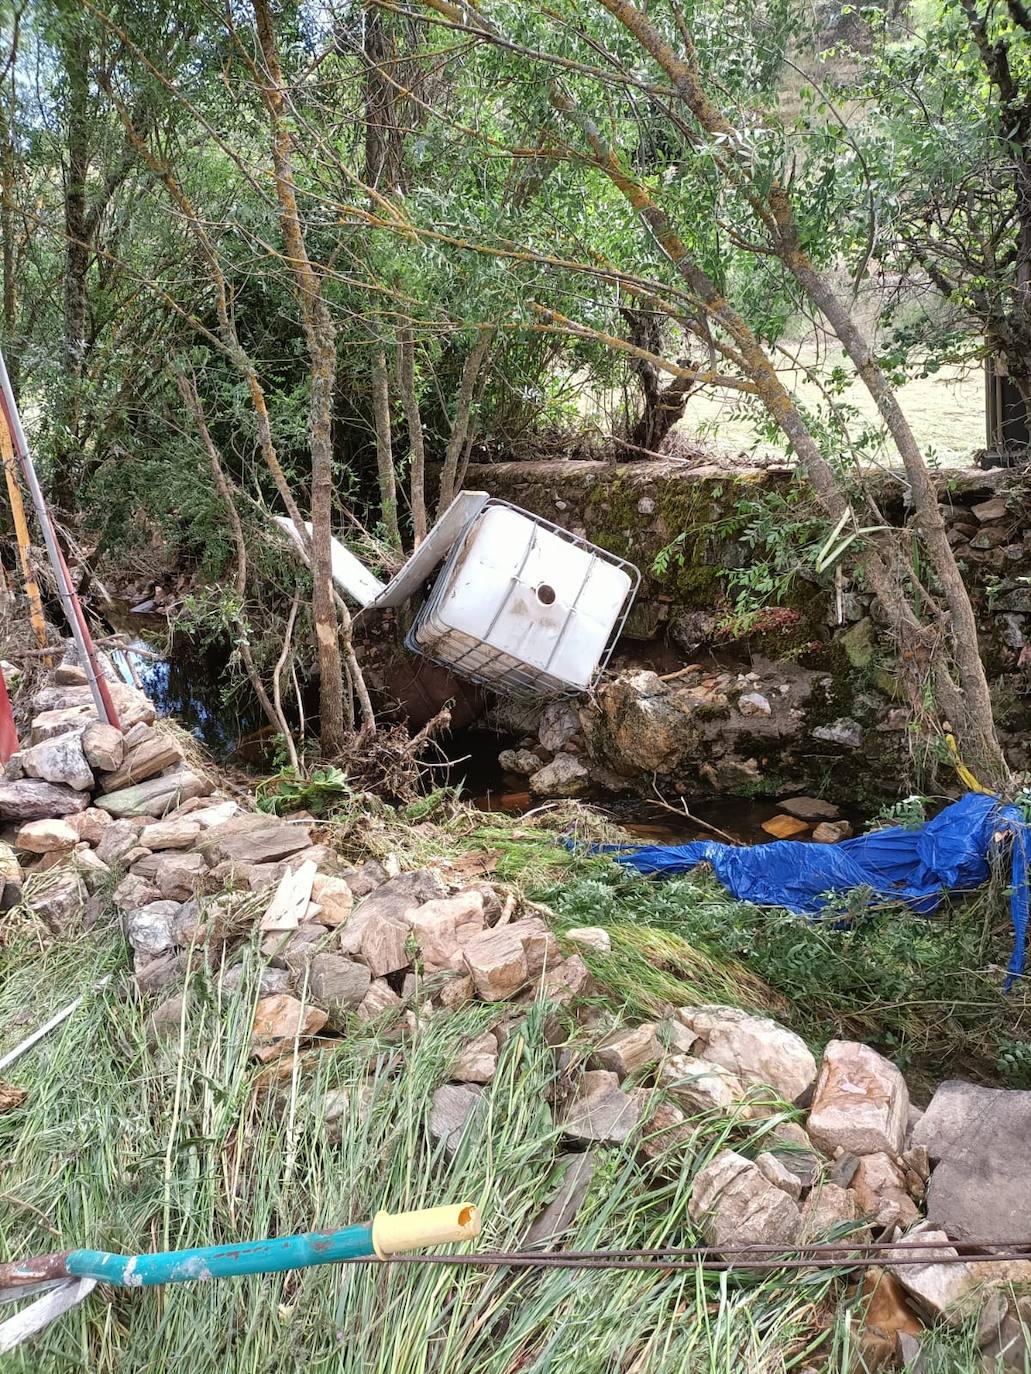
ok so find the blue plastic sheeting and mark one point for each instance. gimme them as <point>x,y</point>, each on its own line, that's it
<point>918,867</point>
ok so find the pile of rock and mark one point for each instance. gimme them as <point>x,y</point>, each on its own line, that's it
<point>865,1165</point>
<point>698,730</point>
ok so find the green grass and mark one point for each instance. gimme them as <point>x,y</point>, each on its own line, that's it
<point>128,1143</point>
<point>928,991</point>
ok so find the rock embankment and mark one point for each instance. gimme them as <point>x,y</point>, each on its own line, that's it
<point>783,1149</point>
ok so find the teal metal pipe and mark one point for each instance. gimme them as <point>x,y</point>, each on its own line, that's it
<point>223,1261</point>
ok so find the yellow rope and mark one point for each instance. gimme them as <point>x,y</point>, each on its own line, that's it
<point>963,772</point>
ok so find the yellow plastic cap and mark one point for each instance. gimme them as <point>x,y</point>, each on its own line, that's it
<point>430,1226</point>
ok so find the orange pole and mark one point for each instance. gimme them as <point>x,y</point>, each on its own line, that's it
<point>21,530</point>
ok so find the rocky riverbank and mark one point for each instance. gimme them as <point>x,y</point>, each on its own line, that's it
<point>125,838</point>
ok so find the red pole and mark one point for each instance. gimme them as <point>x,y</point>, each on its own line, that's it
<point>8,734</point>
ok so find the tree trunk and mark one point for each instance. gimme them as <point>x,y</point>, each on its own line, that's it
<point>384,447</point>
<point>413,419</point>
<point>320,335</point>
<point>76,267</point>
<point>463,408</point>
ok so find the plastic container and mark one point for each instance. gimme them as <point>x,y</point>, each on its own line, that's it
<point>524,606</point>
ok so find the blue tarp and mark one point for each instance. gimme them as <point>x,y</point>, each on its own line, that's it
<point>916,866</point>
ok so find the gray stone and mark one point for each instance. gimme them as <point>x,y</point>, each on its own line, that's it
<point>831,832</point>
<point>477,1061</point>
<point>378,1001</point>
<point>844,731</point>
<point>810,809</point>
<point>776,1172</point>
<point>539,944</point>
<point>156,797</point>
<point>153,755</point>
<point>666,1135</point>
<point>623,1052</point>
<point>987,511</point>
<point>338,985</point>
<point>60,760</point>
<point>1012,629</point>
<point>600,1111</point>
<point>46,837</point>
<point>172,834</point>
<point>980,1187</point>
<point>754,704</point>
<point>496,961</point>
<point>61,902</point>
<point>134,892</point>
<point>860,1101</point>
<point>454,1108</point>
<point>522,761</point>
<point>590,937</point>
<point>735,1204</point>
<point>118,839</point>
<point>571,1178</point>
<point>938,1288</point>
<point>443,926</point>
<point>32,799</point>
<point>756,1049</point>
<point>149,929</point>
<point>50,723</point>
<point>91,825</point>
<point>828,1209</point>
<point>384,945</point>
<point>565,776</point>
<point>179,876</point>
<point>698,1085</point>
<point>132,706</point>
<point>399,898</point>
<point>559,724</point>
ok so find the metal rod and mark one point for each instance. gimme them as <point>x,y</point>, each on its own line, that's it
<point>73,611</point>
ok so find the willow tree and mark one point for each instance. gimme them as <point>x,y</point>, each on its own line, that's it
<point>724,195</point>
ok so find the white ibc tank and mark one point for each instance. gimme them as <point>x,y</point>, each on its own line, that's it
<point>523,606</point>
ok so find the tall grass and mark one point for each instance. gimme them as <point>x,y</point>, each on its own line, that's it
<point>128,1143</point>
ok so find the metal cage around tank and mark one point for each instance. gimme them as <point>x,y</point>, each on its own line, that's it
<point>481,658</point>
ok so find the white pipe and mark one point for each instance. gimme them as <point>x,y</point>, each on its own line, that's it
<point>21,448</point>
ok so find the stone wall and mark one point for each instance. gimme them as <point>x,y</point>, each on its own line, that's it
<point>828,701</point>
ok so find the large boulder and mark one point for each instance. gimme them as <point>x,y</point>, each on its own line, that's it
<point>32,799</point>
<point>61,760</point>
<point>253,839</point>
<point>978,1139</point>
<point>860,1101</point>
<point>642,724</point>
<point>755,1048</point>
<point>156,797</point>
<point>735,1204</point>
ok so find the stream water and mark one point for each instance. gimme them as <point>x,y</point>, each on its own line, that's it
<point>188,680</point>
